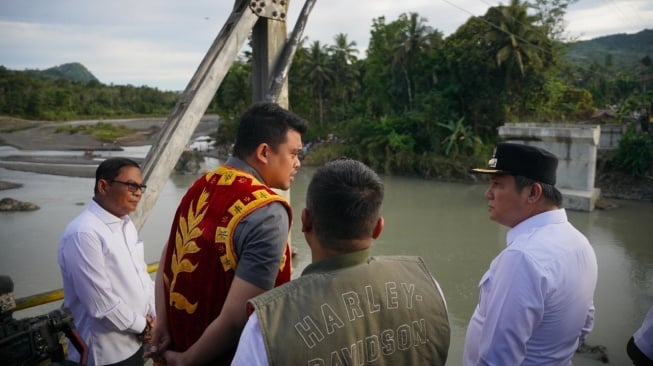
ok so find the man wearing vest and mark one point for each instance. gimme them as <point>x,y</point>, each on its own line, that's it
<point>348,308</point>
<point>228,242</point>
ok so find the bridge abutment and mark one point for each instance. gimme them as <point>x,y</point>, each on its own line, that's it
<point>576,147</point>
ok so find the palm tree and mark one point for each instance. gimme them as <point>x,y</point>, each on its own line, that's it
<point>319,73</point>
<point>515,36</point>
<point>522,52</point>
<point>343,49</point>
<point>344,65</point>
<point>413,38</point>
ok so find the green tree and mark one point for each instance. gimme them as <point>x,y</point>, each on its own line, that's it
<point>378,77</point>
<point>471,80</point>
<point>634,154</point>
<point>523,54</point>
<point>318,72</point>
<point>346,85</point>
<point>413,39</point>
<point>550,16</point>
<point>516,40</point>
<point>399,65</point>
<point>299,89</point>
<point>461,139</point>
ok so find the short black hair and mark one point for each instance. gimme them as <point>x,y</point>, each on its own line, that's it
<point>110,169</point>
<point>550,193</point>
<point>344,200</point>
<point>265,122</point>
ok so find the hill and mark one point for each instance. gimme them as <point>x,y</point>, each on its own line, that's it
<point>622,51</point>
<point>70,91</point>
<point>74,71</point>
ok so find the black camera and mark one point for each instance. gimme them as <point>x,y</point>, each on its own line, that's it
<point>30,341</point>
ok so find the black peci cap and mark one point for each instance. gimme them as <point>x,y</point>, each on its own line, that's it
<point>527,161</point>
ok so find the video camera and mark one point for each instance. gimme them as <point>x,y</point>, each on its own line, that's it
<point>30,341</point>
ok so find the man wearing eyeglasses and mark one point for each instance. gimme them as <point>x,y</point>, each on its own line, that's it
<point>105,280</point>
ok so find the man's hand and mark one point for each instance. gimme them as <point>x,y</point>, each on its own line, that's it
<point>175,359</point>
<point>146,336</point>
<point>158,340</point>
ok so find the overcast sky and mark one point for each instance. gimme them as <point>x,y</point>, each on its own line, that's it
<point>160,43</point>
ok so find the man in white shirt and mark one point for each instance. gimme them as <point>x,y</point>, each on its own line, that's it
<point>536,299</point>
<point>105,280</point>
<point>640,345</point>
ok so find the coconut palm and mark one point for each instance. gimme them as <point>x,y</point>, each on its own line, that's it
<point>516,39</point>
<point>343,49</point>
<point>344,65</point>
<point>319,73</point>
<point>414,37</point>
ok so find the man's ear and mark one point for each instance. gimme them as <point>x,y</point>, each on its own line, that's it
<point>102,185</point>
<point>535,192</point>
<point>307,221</point>
<point>262,152</point>
<point>378,228</point>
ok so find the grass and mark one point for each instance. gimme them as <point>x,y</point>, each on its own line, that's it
<point>103,131</point>
<point>10,124</point>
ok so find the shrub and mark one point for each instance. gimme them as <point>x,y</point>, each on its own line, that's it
<point>325,152</point>
<point>103,131</point>
<point>634,154</point>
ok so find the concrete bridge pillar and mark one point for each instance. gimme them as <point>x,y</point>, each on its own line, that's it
<point>575,146</point>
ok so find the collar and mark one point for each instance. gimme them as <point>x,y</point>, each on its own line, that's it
<point>338,262</point>
<point>242,165</point>
<point>113,222</point>
<point>557,216</point>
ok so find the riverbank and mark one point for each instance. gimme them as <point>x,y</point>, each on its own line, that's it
<point>41,135</point>
<point>617,185</point>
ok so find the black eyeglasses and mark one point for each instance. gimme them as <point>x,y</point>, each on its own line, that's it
<point>132,187</point>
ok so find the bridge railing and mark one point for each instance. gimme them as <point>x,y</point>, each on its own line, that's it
<point>56,295</point>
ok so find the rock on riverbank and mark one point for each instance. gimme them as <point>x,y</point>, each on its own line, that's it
<point>10,204</point>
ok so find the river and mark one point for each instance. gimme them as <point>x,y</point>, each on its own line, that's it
<point>445,223</point>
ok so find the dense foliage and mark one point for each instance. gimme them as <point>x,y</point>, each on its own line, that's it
<point>634,154</point>
<point>618,49</point>
<point>30,95</point>
<point>616,70</point>
<point>416,103</point>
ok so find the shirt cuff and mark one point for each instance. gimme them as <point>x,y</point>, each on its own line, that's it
<point>139,324</point>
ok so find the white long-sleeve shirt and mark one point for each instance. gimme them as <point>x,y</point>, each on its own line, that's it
<point>536,300</point>
<point>643,337</point>
<point>106,284</point>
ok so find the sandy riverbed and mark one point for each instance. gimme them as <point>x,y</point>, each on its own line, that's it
<point>41,135</point>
